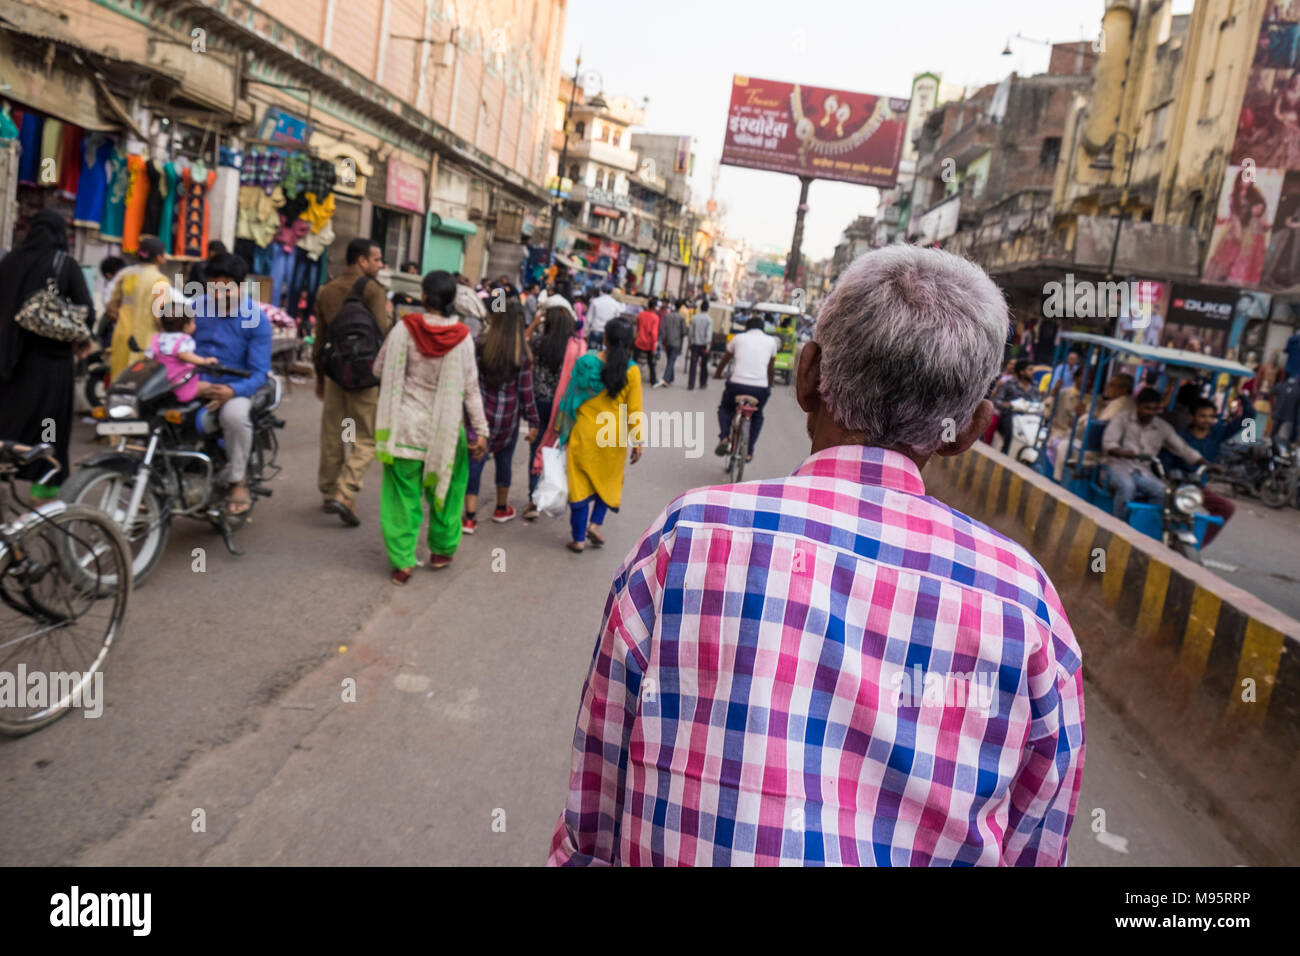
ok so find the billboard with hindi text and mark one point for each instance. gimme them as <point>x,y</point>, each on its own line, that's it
<point>816,132</point>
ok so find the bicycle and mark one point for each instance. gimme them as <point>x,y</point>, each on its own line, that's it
<point>738,451</point>
<point>65,584</point>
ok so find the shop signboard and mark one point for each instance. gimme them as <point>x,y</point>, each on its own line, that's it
<point>405,187</point>
<point>1199,318</point>
<point>285,128</point>
<point>813,131</point>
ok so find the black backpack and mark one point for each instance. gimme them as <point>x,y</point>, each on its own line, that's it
<point>354,340</point>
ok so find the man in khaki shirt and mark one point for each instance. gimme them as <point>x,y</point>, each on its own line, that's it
<point>347,415</point>
<point>1131,437</point>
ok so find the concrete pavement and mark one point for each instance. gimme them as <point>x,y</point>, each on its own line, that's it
<point>226,694</point>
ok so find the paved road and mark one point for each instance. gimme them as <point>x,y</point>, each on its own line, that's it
<point>225,696</point>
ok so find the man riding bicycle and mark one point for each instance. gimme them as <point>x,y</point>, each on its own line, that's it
<point>754,354</point>
<point>233,328</point>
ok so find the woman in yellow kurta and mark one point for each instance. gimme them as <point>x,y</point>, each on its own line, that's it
<point>600,415</point>
<point>137,303</point>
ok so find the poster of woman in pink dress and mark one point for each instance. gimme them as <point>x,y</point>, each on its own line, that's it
<point>1245,217</point>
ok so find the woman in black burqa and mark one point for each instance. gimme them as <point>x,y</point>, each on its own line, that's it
<point>37,373</point>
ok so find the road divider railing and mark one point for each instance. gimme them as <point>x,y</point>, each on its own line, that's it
<point>1204,671</point>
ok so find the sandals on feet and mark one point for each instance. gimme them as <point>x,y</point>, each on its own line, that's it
<point>577,547</point>
<point>401,575</point>
<point>237,505</point>
<point>597,539</point>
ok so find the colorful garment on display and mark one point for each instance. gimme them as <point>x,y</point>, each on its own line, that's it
<point>318,213</point>
<point>29,137</point>
<point>258,218</point>
<point>92,188</point>
<point>115,204</point>
<point>51,152</point>
<point>166,222</point>
<point>137,193</point>
<point>153,203</point>
<point>264,169</point>
<point>322,179</point>
<point>8,128</point>
<point>192,223</point>
<point>297,175</point>
<point>70,161</point>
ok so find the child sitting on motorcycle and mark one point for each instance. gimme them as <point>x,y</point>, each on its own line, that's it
<point>174,347</point>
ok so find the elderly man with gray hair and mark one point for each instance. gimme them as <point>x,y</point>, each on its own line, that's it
<point>835,668</point>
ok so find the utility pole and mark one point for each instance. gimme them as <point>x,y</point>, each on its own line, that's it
<point>792,263</point>
<point>558,203</point>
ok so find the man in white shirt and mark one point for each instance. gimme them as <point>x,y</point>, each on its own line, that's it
<point>753,357</point>
<point>603,308</point>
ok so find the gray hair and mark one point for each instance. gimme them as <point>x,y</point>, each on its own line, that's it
<point>909,337</point>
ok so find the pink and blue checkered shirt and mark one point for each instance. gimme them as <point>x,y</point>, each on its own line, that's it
<point>830,668</point>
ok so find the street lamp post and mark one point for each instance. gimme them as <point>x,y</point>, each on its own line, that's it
<point>558,202</point>
<point>1123,199</point>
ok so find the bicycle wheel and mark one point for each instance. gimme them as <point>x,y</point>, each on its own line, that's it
<point>59,615</point>
<point>739,448</point>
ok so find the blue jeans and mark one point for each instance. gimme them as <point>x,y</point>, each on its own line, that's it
<point>1127,484</point>
<point>544,416</point>
<point>596,340</point>
<point>670,367</point>
<point>578,516</point>
<point>727,409</point>
<point>281,272</point>
<point>502,459</point>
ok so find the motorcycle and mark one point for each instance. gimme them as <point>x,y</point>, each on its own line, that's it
<point>1028,430</point>
<point>92,371</point>
<point>1266,469</point>
<point>1182,500</point>
<point>167,463</point>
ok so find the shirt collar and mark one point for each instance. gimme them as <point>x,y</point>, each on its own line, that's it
<point>866,465</point>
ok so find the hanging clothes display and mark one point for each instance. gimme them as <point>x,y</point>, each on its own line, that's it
<point>70,161</point>
<point>166,222</point>
<point>8,128</point>
<point>322,178</point>
<point>192,222</point>
<point>115,204</point>
<point>306,271</point>
<point>137,193</point>
<point>263,169</point>
<point>153,203</point>
<point>92,188</point>
<point>51,152</point>
<point>297,175</point>
<point>317,214</point>
<point>29,138</point>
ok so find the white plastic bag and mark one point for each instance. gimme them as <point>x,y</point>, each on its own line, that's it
<point>552,494</point>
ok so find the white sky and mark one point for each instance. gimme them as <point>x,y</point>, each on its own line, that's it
<point>682,54</point>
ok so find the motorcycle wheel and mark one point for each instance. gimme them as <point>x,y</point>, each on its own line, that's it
<point>1276,489</point>
<point>1191,554</point>
<point>95,389</point>
<point>110,492</point>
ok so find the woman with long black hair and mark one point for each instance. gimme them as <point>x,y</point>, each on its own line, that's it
<point>37,373</point>
<point>555,347</point>
<point>600,415</point>
<point>506,382</point>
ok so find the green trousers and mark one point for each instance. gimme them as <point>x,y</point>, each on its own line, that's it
<point>400,510</point>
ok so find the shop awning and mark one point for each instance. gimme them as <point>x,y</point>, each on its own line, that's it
<point>67,92</point>
<point>456,227</point>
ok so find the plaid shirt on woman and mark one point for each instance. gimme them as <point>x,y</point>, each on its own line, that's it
<point>504,405</point>
<point>830,668</point>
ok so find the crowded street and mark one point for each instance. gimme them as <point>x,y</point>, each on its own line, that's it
<point>534,434</point>
<point>465,692</point>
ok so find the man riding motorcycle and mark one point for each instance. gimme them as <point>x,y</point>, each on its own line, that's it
<point>232,327</point>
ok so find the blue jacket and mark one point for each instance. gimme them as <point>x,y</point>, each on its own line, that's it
<point>242,341</point>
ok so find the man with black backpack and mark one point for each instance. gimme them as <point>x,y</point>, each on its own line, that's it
<point>352,318</point>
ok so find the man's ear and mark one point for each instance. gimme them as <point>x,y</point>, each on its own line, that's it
<point>808,377</point>
<point>977,426</point>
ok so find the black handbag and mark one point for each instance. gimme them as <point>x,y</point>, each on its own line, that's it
<point>48,314</point>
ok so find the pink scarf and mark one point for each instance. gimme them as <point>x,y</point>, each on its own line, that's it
<point>572,352</point>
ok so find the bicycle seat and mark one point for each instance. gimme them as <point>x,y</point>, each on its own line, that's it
<point>747,400</point>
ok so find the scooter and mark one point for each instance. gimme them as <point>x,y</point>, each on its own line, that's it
<point>1028,430</point>
<point>1265,468</point>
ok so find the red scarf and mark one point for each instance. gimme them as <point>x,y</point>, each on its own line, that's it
<point>434,342</point>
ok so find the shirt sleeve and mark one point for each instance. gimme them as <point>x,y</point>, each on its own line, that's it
<point>1045,791</point>
<point>473,397</point>
<point>257,356</point>
<point>587,833</point>
<point>1179,447</point>
<point>1113,434</point>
